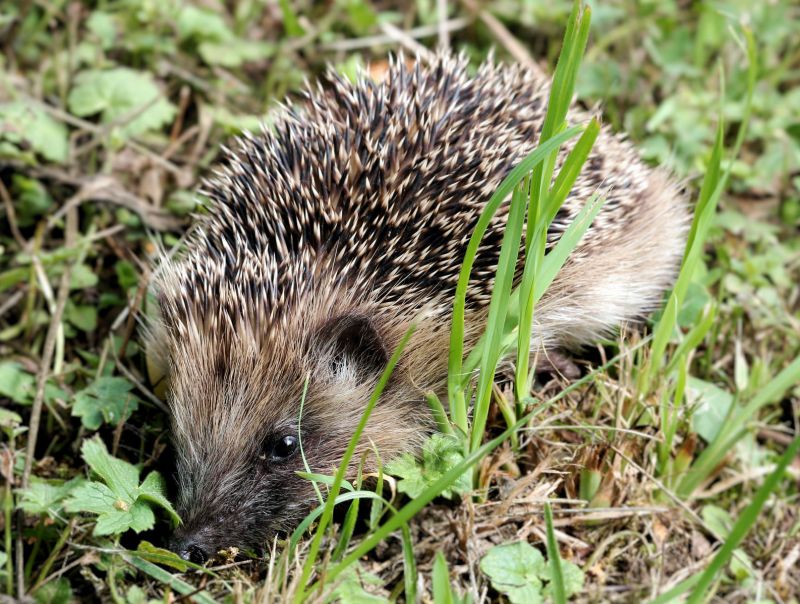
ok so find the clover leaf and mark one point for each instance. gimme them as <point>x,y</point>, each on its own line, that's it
<point>519,571</point>
<point>23,125</point>
<point>120,502</point>
<point>515,571</point>
<point>130,99</point>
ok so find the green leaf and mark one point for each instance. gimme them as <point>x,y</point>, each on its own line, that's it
<point>24,124</point>
<point>16,384</point>
<point>108,400</point>
<point>515,570</point>
<point>202,24</point>
<point>154,489</point>
<point>129,98</point>
<point>96,498</point>
<point>150,552</point>
<point>713,405</point>
<point>32,199</point>
<point>440,453</point>
<point>104,27</point>
<point>83,317</point>
<point>741,566</point>
<point>162,576</point>
<point>119,475</point>
<point>350,589</point>
<point>121,503</point>
<point>46,496</point>
<point>234,52</point>
<point>9,419</point>
<point>572,575</point>
<point>718,520</point>
<point>82,277</point>
<point>54,592</point>
<point>126,274</point>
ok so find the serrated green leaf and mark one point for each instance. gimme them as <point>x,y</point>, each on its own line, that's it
<point>119,475</point>
<point>107,399</point>
<point>142,516</point>
<point>440,453</point>
<point>46,496</point>
<point>96,498</point>
<point>121,503</point>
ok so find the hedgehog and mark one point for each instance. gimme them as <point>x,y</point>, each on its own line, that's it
<point>331,233</point>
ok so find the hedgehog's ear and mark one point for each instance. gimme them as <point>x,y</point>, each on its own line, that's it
<point>353,339</point>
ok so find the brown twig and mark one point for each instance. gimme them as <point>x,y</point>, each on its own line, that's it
<point>41,382</point>
<point>422,31</point>
<point>11,216</point>
<point>514,47</point>
<point>407,41</point>
<point>441,20</point>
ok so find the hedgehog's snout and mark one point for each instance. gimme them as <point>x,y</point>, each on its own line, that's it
<point>191,547</point>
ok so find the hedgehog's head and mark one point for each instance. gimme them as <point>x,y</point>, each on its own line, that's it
<point>239,434</point>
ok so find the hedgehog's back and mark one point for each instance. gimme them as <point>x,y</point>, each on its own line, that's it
<point>375,189</point>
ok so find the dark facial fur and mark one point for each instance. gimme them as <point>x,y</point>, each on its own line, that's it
<point>327,237</point>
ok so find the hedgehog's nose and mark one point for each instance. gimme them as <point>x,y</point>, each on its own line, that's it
<point>191,551</point>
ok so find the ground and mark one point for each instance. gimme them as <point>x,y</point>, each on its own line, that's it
<point>111,113</point>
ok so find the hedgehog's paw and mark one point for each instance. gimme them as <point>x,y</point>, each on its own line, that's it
<point>556,362</point>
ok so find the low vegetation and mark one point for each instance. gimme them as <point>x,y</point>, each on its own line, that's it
<point>668,470</point>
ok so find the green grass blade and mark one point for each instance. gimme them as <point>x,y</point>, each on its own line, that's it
<point>734,427</point>
<point>554,558</point>
<point>409,566</point>
<point>167,578</point>
<point>498,306</point>
<point>330,502</point>
<point>300,438</point>
<point>694,337</point>
<point>455,385</point>
<point>349,524</point>
<point>301,528</point>
<point>439,414</point>
<point>744,523</point>
<point>442,593</point>
<point>551,264</point>
<point>411,508</point>
<point>536,246</point>
<point>713,185</point>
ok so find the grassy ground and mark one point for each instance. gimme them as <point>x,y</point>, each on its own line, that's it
<point>112,112</point>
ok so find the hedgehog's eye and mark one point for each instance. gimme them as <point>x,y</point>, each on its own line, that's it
<point>283,448</point>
